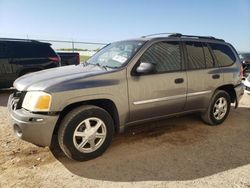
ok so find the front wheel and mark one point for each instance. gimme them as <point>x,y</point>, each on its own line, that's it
<point>218,109</point>
<point>86,132</point>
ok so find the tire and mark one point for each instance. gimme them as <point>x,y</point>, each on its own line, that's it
<point>85,132</point>
<point>210,116</point>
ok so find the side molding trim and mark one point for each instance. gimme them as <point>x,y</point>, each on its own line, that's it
<point>171,97</point>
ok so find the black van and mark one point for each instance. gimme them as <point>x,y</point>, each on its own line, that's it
<point>21,56</point>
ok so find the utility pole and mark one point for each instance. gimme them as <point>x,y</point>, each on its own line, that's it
<point>73,47</point>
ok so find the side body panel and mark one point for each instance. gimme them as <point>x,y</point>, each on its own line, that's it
<point>201,82</point>
<point>155,95</point>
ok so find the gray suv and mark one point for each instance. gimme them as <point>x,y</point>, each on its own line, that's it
<point>126,83</point>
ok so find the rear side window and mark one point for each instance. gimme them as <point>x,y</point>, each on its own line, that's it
<point>195,55</point>
<point>223,54</point>
<point>30,50</point>
<point>208,57</point>
<point>164,55</point>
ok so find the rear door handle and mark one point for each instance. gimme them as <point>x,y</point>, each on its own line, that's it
<point>216,76</point>
<point>179,80</point>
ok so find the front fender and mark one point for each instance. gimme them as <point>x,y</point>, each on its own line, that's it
<point>121,102</point>
<point>83,98</point>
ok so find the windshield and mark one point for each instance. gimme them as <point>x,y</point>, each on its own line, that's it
<point>116,54</point>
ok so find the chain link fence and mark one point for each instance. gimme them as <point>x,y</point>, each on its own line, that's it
<point>85,49</point>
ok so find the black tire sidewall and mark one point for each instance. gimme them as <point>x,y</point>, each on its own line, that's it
<point>217,96</point>
<point>74,122</point>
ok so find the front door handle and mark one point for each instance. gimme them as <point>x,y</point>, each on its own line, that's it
<point>216,76</point>
<point>179,80</point>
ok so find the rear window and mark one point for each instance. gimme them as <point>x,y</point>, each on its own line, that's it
<point>195,54</point>
<point>223,54</point>
<point>30,49</point>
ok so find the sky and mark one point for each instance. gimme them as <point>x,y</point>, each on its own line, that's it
<point>111,20</point>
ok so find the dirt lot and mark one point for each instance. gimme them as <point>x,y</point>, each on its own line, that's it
<point>176,152</point>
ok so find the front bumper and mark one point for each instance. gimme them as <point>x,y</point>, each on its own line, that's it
<point>239,91</point>
<point>35,128</point>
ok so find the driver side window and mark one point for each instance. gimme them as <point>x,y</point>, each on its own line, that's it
<point>164,55</point>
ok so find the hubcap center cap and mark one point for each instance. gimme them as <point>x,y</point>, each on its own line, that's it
<point>91,137</point>
<point>90,134</point>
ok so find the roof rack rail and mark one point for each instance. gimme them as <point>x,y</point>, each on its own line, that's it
<point>195,36</point>
<point>155,34</point>
<point>17,39</point>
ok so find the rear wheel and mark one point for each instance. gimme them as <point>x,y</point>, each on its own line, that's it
<point>85,133</point>
<point>218,109</point>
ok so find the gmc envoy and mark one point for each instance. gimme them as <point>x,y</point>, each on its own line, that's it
<point>125,83</point>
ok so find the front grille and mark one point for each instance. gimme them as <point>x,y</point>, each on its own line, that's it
<point>18,97</point>
<point>17,94</point>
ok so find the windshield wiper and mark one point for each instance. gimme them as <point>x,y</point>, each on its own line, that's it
<point>85,63</point>
<point>111,67</point>
<point>99,65</point>
<point>95,64</point>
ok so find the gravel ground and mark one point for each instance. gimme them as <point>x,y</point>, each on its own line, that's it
<point>176,152</point>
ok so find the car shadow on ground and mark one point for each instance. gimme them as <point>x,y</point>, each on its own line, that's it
<point>4,95</point>
<point>180,148</point>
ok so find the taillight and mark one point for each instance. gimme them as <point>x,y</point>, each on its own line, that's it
<point>241,72</point>
<point>56,59</point>
<point>78,58</point>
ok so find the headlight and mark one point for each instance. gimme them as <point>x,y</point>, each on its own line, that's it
<point>37,101</point>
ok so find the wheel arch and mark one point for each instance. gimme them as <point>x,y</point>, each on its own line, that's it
<point>229,88</point>
<point>106,104</point>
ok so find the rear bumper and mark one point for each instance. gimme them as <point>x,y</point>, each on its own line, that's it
<point>239,91</point>
<point>35,128</point>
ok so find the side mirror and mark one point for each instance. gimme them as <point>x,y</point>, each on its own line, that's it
<point>145,68</point>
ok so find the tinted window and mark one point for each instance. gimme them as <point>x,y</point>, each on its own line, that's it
<point>195,55</point>
<point>165,55</point>
<point>208,58</point>
<point>30,49</point>
<point>3,49</point>
<point>223,54</point>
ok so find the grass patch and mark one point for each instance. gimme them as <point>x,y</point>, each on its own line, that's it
<point>84,58</point>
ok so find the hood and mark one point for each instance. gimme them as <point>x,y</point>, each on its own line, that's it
<point>42,80</point>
